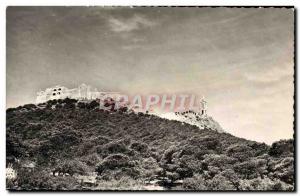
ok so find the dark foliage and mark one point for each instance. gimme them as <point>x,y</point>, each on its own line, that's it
<point>76,138</point>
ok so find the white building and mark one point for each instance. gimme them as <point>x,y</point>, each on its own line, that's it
<point>83,92</point>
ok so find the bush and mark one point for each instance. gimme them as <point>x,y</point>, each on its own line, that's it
<point>93,104</point>
<point>41,180</point>
<point>149,167</point>
<point>184,172</point>
<point>197,182</point>
<point>69,103</point>
<point>30,106</point>
<point>251,169</point>
<point>206,143</point>
<point>139,147</point>
<point>240,151</point>
<point>113,162</point>
<point>282,169</point>
<point>265,184</point>
<point>70,167</point>
<point>112,147</point>
<point>220,161</point>
<point>219,182</point>
<point>9,110</point>
<point>81,105</point>
<point>282,148</point>
<point>168,155</point>
<point>124,183</point>
<point>91,159</point>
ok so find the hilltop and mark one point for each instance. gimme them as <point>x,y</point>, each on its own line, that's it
<point>127,150</point>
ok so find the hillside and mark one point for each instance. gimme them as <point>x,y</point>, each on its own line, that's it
<point>66,144</point>
<point>193,118</point>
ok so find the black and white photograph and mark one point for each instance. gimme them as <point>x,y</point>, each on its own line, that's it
<point>150,98</point>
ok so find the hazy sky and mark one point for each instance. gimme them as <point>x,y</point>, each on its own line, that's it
<point>240,59</point>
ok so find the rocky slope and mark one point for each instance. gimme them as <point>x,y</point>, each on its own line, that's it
<point>193,118</point>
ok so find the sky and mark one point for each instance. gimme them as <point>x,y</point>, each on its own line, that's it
<point>240,59</point>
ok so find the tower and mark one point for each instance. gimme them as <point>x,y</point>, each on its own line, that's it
<point>203,107</point>
<point>84,91</point>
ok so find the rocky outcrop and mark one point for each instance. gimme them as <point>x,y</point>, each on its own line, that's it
<point>193,118</point>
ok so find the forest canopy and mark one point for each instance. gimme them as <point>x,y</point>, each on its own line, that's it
<point>52,146</point>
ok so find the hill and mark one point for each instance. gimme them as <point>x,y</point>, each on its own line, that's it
<point>71,145</point>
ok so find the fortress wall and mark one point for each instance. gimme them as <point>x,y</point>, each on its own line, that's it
<point>61,92</point>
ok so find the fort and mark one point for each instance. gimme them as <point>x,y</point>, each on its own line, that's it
<point>188,104</point>
<point>82,92</point>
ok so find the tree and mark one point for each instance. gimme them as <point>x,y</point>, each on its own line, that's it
<point>113,162</point>
<point>196,182</point>
<point>93,104</point>
<point>219,182</point>
<point>70,167</point>
<point>139,147</point>
<point>282,148</point>
<point>241,152</point>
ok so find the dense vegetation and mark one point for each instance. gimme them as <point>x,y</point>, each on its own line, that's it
<point>126,150</point>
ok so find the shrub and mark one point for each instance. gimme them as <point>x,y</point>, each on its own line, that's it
<point>81,105</point>
<point>139,147</point>
<point>91,159</point>
<point>232,177</point>
<point>220,161</point>
<point>184,172</point>
<point>112,147</point>
<point>240,151</point>
<point>168,155</point>
<point>219,182</point>
<point>197,182</point>
<point>206,143</point>
<point>30,106</point>
<point>282,169</point>
<point>124,183</point>
<point>9,110</point>
<point>69,103</point>
<point>149,167</point>
<point>41,180</point>
<point>264,184</point>
<point>93,104</point>
<point>282,148</point>
<point>70,167</point>
<point>247,169</point>
<point>113,162</point>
